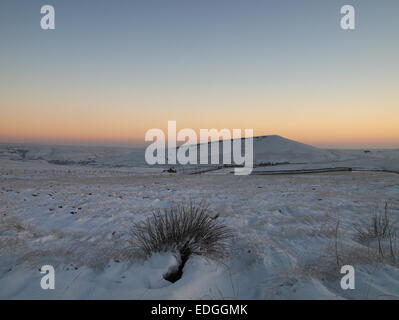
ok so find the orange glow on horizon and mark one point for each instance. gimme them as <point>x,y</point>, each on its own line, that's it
<point>89,119</point>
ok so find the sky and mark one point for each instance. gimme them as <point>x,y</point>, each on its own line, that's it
<point>111,70</point>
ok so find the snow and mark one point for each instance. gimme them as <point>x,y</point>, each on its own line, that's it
<point>76,217</point>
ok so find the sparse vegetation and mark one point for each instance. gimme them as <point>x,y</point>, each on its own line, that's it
<point>184,230</point>
<point>375,243</point>
<point>382,232</point>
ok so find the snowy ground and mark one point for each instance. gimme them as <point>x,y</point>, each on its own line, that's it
<point>77,218</point>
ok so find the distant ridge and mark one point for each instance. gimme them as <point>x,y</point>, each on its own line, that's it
<point>267,149</point>
<point>275,149</point>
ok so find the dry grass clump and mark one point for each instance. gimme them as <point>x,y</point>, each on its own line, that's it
<point>380,232</point>
<point>184,230</point>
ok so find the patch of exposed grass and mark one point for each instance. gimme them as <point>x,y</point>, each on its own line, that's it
<point>184,230</point>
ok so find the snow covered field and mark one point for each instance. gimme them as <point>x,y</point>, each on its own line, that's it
<point>77,217</point>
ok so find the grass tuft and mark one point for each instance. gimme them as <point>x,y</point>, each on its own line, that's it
<point>185,230</point>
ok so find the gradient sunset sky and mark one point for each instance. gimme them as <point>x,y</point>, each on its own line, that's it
<point>113,69</point>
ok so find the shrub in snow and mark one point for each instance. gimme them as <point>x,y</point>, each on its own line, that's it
<point>183,229</point>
